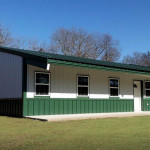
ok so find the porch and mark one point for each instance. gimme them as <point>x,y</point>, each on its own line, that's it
<point>67,117</point>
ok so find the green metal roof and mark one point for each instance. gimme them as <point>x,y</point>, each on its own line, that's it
<point>51,58</point>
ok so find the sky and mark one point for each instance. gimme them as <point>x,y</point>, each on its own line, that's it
<point>126,20</point>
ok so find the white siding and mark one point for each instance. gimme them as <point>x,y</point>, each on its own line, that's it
<point>64,82</point>
<point>10,76</point>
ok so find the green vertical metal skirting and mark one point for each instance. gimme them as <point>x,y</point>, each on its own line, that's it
<point>146,104</point>
<point>51,106</point>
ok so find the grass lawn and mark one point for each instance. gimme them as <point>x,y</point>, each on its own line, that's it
<point>97,134</point>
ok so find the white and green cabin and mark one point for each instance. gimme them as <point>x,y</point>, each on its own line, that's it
<point>38,83</point>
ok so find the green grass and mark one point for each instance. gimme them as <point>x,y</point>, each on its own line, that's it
<point>95,134</point>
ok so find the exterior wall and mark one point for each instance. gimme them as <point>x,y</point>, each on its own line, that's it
<point>11,103</point>
<point>64,82</point>
<point>54,106</point>
<point>11,107</point>
<point>10,76</point>
<point>63,92</point>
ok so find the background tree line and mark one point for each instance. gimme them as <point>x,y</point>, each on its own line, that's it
<point>72,42</point>
<point>76,42</point>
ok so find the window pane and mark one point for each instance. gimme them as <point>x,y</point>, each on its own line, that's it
<point>42,89</point>
<point>113,92</point>
<point>147,85</point>
<point>148,93</point>
<point>82,90</point>
<point>42,78</point>
<point>113,83</point>
<point>82,80</point>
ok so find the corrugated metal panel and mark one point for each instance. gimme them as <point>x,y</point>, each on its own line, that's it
<point>146,104</point>
<point>10,76</point>
<point>11,107</point>
<point>45,106</point>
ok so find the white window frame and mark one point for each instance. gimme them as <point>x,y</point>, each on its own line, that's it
<point>83,85</point>
<point>42,83</point>
<point>114,87</point>
<point>146,89</point>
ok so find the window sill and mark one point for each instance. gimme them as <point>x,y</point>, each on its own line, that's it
<point>114,97</point>
<point>42,96</point>
<point>83,97</point>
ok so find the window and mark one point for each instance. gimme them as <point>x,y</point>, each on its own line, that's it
<point>42,83</point>
<point>114,87</point>
<point>147,88</point>
<point>83,85</point>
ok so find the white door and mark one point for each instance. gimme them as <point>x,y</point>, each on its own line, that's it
<point>137,95</point>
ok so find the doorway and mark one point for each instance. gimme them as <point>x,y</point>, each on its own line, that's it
<point>137,95</point>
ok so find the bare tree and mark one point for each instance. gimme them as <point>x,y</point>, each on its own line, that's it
<point>37,45</point>
<point>19,43</point>
<point>5,36</point>
<point>75,42</point>
<point>6,39</point>
<point>32,44</point>
<point>110,48</point>
<point>146,58</point>
<point>138,58</point>
<point>78,42</point>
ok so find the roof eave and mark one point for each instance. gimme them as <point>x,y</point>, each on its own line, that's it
<point>75,64</point>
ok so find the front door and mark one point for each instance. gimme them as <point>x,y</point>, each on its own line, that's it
<point>137,95</point>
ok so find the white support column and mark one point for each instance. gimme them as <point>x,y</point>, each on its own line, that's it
<point>48,67</point>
